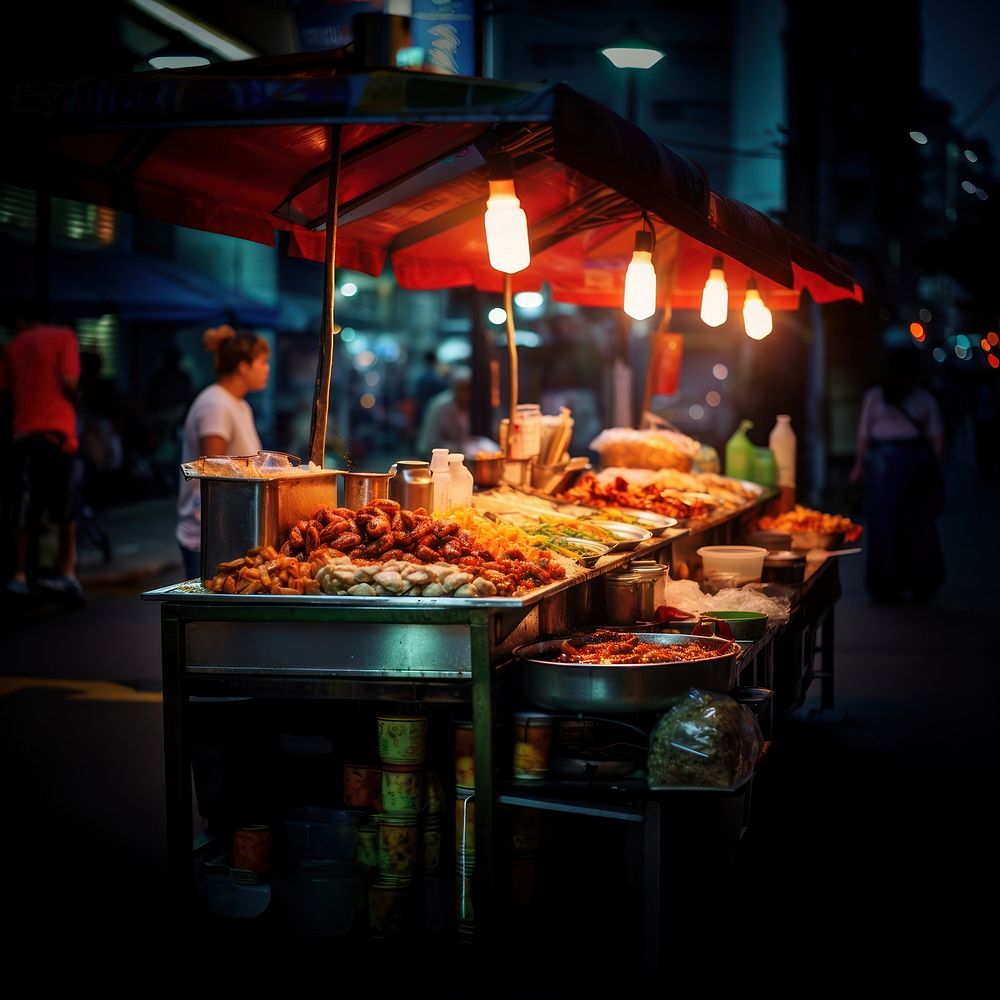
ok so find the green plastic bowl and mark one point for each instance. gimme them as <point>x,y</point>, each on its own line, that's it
<point>746,626</point>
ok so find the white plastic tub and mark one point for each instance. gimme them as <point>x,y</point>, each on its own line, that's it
<point>746,561</point>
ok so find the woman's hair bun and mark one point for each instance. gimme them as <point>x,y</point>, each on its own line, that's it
<point>214,337</point>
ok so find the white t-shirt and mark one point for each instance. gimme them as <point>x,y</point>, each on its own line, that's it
<point>882,422</point>
<point>214,413</point>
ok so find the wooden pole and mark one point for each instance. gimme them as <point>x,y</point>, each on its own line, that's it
<point>324,363</point>
<point>667,257</point>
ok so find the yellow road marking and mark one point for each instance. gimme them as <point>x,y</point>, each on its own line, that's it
<point>84,690</point>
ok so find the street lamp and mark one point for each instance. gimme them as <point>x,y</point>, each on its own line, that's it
<point>632,53</point>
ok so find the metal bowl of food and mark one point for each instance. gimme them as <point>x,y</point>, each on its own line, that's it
<point>803,541</point>
<point>487,468</point>
<point>549,681</point>
<point>627,536</point>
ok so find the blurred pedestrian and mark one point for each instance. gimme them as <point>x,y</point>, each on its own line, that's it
<point>40,369</point>
<point>446,419</point>
<point>220,422</point>
<point>429,383</point>
<point>899,450</point>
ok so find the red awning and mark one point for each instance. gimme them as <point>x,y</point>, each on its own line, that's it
<point>243,150</point>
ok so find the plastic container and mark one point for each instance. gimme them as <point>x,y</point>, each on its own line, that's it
<point>320,904</point>
<point>465,763</point>
<point>441,479</point>
<point>740,453</point>
<point>402,788</point>
<point>398,845</point>
<point>782,442</point>
<point>314,836</point>
<point>402,739</point>
<point>746,561</point>
<point>461,480</point>
<point>764,467</point>
<point>532,742</point>
<point>526,432</point>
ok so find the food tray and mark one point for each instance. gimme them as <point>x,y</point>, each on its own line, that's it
<point>595,687</point>
<point>628,535</point>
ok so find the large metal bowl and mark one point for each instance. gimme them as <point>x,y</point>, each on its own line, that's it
<point>622,687</point>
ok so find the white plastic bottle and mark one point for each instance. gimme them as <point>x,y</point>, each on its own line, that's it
<point>782,442</point>
<point>461,480</point>
<point>440,480</point>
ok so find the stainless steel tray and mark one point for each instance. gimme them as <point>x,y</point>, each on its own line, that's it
<point>594,687</point>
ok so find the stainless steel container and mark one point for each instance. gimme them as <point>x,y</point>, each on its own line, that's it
<point>240,514</point>
<point>361,488</point>
<point>622,687</point>
<point>630,598</point>
<point>412,486</point>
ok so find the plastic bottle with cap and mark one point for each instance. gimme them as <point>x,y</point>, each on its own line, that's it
<point>441,479</point>
<point>461,480</point>
<point>782,443</point>
<point>740,453</point>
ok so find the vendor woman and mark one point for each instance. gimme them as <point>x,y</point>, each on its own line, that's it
<point>220,422</point>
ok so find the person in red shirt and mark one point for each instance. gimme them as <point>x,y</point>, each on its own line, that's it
<point>40,370</point>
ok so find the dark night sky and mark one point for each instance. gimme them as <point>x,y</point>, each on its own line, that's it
<point>961,44</point>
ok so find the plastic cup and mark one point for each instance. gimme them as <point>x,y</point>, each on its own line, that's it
<point>430,846</point>
<point>387,906</point>
<point>398,840</point>
<point>402,739</point>
<point>362,786</point>
<point>402,788</point>
<point>465,762</point>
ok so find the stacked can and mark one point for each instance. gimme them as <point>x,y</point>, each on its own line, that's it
<point>402,748</point>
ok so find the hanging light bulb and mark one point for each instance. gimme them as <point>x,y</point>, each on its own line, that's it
<point>506,223</point>
<point>756,315</point>
<point>715,297</point>
<point>640,279</point>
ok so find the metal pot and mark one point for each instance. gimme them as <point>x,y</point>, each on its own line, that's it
<point>622,687</point>
<point>784,567</point>
<point>361,488</point>
<point>411,486</point>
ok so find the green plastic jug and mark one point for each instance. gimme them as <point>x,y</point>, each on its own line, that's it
<point>740,453</point>
<point>764,467</point>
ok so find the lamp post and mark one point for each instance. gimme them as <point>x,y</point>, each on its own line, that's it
<point>632,54</point>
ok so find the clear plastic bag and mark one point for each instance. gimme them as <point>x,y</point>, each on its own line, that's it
<point>706,740</point>
<point>649,449</point>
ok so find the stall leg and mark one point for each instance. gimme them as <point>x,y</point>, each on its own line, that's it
<point>826,660</point>
<point>652,892</point>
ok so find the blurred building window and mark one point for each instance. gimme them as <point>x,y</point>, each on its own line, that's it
<point>99,335</point>
<point>74,220</point>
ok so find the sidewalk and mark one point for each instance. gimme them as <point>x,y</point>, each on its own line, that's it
<point>142,544</point>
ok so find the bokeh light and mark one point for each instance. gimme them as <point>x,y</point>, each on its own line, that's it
<point>712,398</point>
<point>721,372</point>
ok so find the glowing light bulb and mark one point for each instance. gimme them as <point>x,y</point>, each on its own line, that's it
<point>756,316</point>
<point>640,279</point>
<point>506,223</point>
<point>715,297</point>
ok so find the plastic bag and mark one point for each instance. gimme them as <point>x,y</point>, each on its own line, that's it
<point>705,741</point>
<point>688,596</point>
<point>651,449</point>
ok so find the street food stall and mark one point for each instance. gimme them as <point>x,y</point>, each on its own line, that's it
<point>411,615</point>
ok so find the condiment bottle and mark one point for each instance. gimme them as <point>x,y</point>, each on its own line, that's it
<point>782,442</point>
<point>461,480</point>
<point>441,479</point>
<point>740,453</point>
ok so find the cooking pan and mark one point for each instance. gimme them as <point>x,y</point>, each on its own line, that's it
<point>622,687</point>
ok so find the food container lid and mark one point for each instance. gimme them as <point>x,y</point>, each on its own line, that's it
<point>538,718</point>
<point>784,557</point>
<point>622,579</point>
